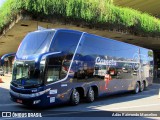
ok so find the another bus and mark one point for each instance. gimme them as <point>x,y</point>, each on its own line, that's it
<point>54,66</point>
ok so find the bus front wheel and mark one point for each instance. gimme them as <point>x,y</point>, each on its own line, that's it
<point>90,95</point>
<point>75,97</point>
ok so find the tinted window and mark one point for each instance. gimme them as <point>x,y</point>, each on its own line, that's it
<point>53,69</point>
<point>35,43</point>
<point>147,62</point>
<point>98,56</point>
<point>65,42</point>
<point>57,68</point>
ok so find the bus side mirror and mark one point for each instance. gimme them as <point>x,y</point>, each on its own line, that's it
<point>5,58</point>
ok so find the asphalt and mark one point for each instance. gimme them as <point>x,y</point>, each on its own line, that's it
<point>146,101</point>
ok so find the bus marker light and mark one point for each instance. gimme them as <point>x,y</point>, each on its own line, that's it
<point>62,96</point>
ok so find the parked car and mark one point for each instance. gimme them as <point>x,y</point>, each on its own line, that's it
<point>1,72</point>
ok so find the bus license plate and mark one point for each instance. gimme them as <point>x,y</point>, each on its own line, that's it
<point>19,101</point>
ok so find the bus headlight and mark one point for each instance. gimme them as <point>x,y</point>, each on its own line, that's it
<point>40,93</point>
<point>29,95</point>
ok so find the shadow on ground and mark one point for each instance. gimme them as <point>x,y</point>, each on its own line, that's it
<point>82,110</point>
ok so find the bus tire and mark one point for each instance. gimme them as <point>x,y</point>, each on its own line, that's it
<point>142,87</point>
<point>90,95</point>
<point>137,88</point>
<point>75,97</point>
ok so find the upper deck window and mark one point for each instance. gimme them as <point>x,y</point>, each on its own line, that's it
<point>65,41</point>
<point>35,43</point>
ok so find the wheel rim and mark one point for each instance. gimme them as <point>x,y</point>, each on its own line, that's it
<point>142,87</point>
<point>137,88</point>
<point>76,97</point>
<point>91,94</point>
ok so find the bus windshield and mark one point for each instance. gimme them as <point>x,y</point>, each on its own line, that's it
<point>25,74</point>
<point>35,43</point>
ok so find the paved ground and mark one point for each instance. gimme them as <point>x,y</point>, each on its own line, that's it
<point>6,79</point>
<point>146,101</point>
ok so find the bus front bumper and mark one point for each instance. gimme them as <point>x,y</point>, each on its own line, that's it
<point>29,99</point>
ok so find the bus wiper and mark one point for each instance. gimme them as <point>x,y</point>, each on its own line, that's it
<point>24,77</point>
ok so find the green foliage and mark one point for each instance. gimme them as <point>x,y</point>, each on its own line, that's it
<point>7,12</point>
<point>91,11</point>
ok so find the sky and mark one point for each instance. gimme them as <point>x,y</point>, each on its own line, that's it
<point>1,2</point>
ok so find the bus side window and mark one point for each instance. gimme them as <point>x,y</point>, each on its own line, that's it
<point>53,73</point>
<point>56,69</point>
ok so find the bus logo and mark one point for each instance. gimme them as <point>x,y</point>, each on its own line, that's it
<point>6,114</point>
<point>25,57</point>
<point>105,61</point>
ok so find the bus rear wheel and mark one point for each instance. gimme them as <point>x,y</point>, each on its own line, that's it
<point>142,87</point>
<point>75,97</point>
<point>137,88</point>
<point>90,95</point>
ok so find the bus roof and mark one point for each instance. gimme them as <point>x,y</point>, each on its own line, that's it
<point>59,29</point>
<point>76,31</point>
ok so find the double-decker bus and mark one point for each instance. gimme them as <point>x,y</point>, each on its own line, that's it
<point>54,66</point>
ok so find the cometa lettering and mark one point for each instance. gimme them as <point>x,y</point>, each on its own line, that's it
<point>105,62</point>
